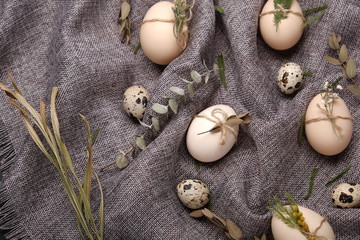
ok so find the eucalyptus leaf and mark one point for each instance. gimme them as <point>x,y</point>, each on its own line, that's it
<point>336,41</point>
<point>343,70</point>
<point>207,76</point>
<point>191,90</point>
<point>155,123</point>
<point>140,142</point>
<point>178,91</point>
<point>159,108</point>
<point>331,43</point>
<point>174,105</point>
<point>343,54</point>
<point>351,68</point>
<point>196,214</point>
<point>216,69</point>
<point>354,89</point>
<point>195,76</point>
<point>122,26</point>
<point>125,10</point>
<point>332,60</point>
<point>233,230</point>
<point>121,161</point>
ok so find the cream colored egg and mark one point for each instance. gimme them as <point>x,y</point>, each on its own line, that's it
<point>157,36</point>
<point>281,231</point>
<point>321,134</point>
<point>289,30</point>
<point>206,147</point>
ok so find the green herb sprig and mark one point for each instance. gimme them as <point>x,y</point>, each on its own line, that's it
<point>338,176</point>
<point>345,61</point>
<point>53,147</point>
<point>311,184</point>
<point>279,15</point>
<point>183,14</point>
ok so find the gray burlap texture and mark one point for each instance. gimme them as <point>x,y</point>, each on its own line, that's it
<point>76,46</point>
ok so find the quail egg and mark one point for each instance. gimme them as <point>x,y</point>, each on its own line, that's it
<point>346,195</point>
<point>193,193</point>
<point>135,101</point>
<point>290,78</point>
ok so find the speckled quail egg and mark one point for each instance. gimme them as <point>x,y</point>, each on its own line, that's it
<point>346,195</point>
<point>290,78</point>
<point>135,101</point>
<point>193,193</point>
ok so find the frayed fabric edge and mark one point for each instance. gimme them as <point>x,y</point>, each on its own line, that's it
<point>9,220</point>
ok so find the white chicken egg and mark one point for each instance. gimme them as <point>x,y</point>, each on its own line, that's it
<point>206,147</point>
<point>157,37</point>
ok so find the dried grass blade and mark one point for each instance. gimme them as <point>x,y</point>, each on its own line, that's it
<point>101,208</point>
<point>89,165</point>
<point>13,83</point>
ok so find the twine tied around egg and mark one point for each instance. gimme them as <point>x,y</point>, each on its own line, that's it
<point>284,11</point>
<point>310,235</point>
<point>225,123</point>
<point>180,20</point>
<point>330,117</point>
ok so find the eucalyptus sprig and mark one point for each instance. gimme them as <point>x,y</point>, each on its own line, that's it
<point>53,147</point>
<point>173,105</point>
<point>232,231</point>
<point>345,61</point>
<point>124,21</point>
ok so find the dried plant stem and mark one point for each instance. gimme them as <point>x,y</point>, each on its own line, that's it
<point>57,153</point>
<point>337,177</point>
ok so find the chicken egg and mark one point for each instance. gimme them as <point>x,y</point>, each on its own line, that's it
<point>281,231</point>
<point>289,30</point>
<point>326,136</point>
<point>206,147</point>
<point>157,35</point>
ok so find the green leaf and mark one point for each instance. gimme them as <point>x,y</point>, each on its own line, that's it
<point>184,80</point>
<point>221,64</point>
<point>121,161</point>
<point>197,165</point>
<point>343,54</point>
<point>156,123</point>
<point>332,60</point>
<point>301,129</point>
<point>195,76</point>
<point>308,22</point>
<point>315,9</point>
<point>311,184</point>
<point>219,9</point>
<point>307,74</point>
<point>174,105</point>
<point>178,91</point>
<point>138,46</point>
<point>354,89</point>
<point>159,108</point>
<point>140,142</point>
<point>337,177</point>
<point>351,68</point>
<point>125,10</point>
<point>191,90</point>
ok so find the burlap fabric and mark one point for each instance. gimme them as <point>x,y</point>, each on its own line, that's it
<point>76,45</point>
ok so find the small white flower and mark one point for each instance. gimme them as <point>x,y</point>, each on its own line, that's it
<point>334,95</point>
<point>339,87</point>
<point>326,86</point>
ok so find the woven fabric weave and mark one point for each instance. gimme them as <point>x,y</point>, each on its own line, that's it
<point>76,46</point>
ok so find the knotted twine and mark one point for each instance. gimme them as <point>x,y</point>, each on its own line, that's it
<point>284,11</point>
<point>220,123</point>
<point>316,230</point>
<point>184,34</point>
<point>330,117</point>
